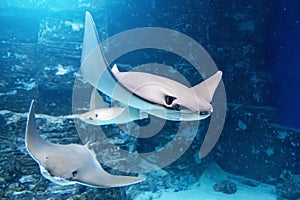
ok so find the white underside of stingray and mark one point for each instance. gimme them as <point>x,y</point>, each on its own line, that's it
<point>69,164</point>
<point>149,93</point>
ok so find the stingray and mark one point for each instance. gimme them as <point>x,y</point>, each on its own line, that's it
<point>98,115</point>
<point>156,95</point>
<point>169,93</point>
<point>69,164</point>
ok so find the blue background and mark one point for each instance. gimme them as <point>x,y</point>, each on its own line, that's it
<point>283,61</point>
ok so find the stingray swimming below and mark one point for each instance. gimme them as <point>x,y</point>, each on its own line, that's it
<point>100,114</point>
<point>69,164</point>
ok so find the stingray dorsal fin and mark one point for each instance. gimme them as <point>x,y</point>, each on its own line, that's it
<point>207,88</point>
<point>96,100</point>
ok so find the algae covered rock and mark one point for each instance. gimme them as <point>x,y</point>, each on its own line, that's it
<point>289,189</point>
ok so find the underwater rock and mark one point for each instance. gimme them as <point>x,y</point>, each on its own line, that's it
<point>269,150</point>
<point>226,186</point>
<point>289,189</point>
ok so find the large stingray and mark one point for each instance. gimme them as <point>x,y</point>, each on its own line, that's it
<point>69,164</point>
<point>170,93</point>
<point>161,97</point>
<point>100,115</point>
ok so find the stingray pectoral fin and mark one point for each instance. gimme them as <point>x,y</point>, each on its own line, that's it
<point>94,67</point>
<point>90,39</point>
<point>105,179</point>
<point>93,62</point>
<point>207,88</point>
<point>118,181</point>
<point>35,145</point>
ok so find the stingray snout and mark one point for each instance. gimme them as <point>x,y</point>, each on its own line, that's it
<point>205,110</point>
<point>203,107</point>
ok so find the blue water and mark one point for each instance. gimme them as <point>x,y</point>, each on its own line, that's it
<point>255,43</point>
<point>284,60</point>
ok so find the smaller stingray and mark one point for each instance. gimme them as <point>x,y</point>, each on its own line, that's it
<point>69,164</point>
<point>113,115</point>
